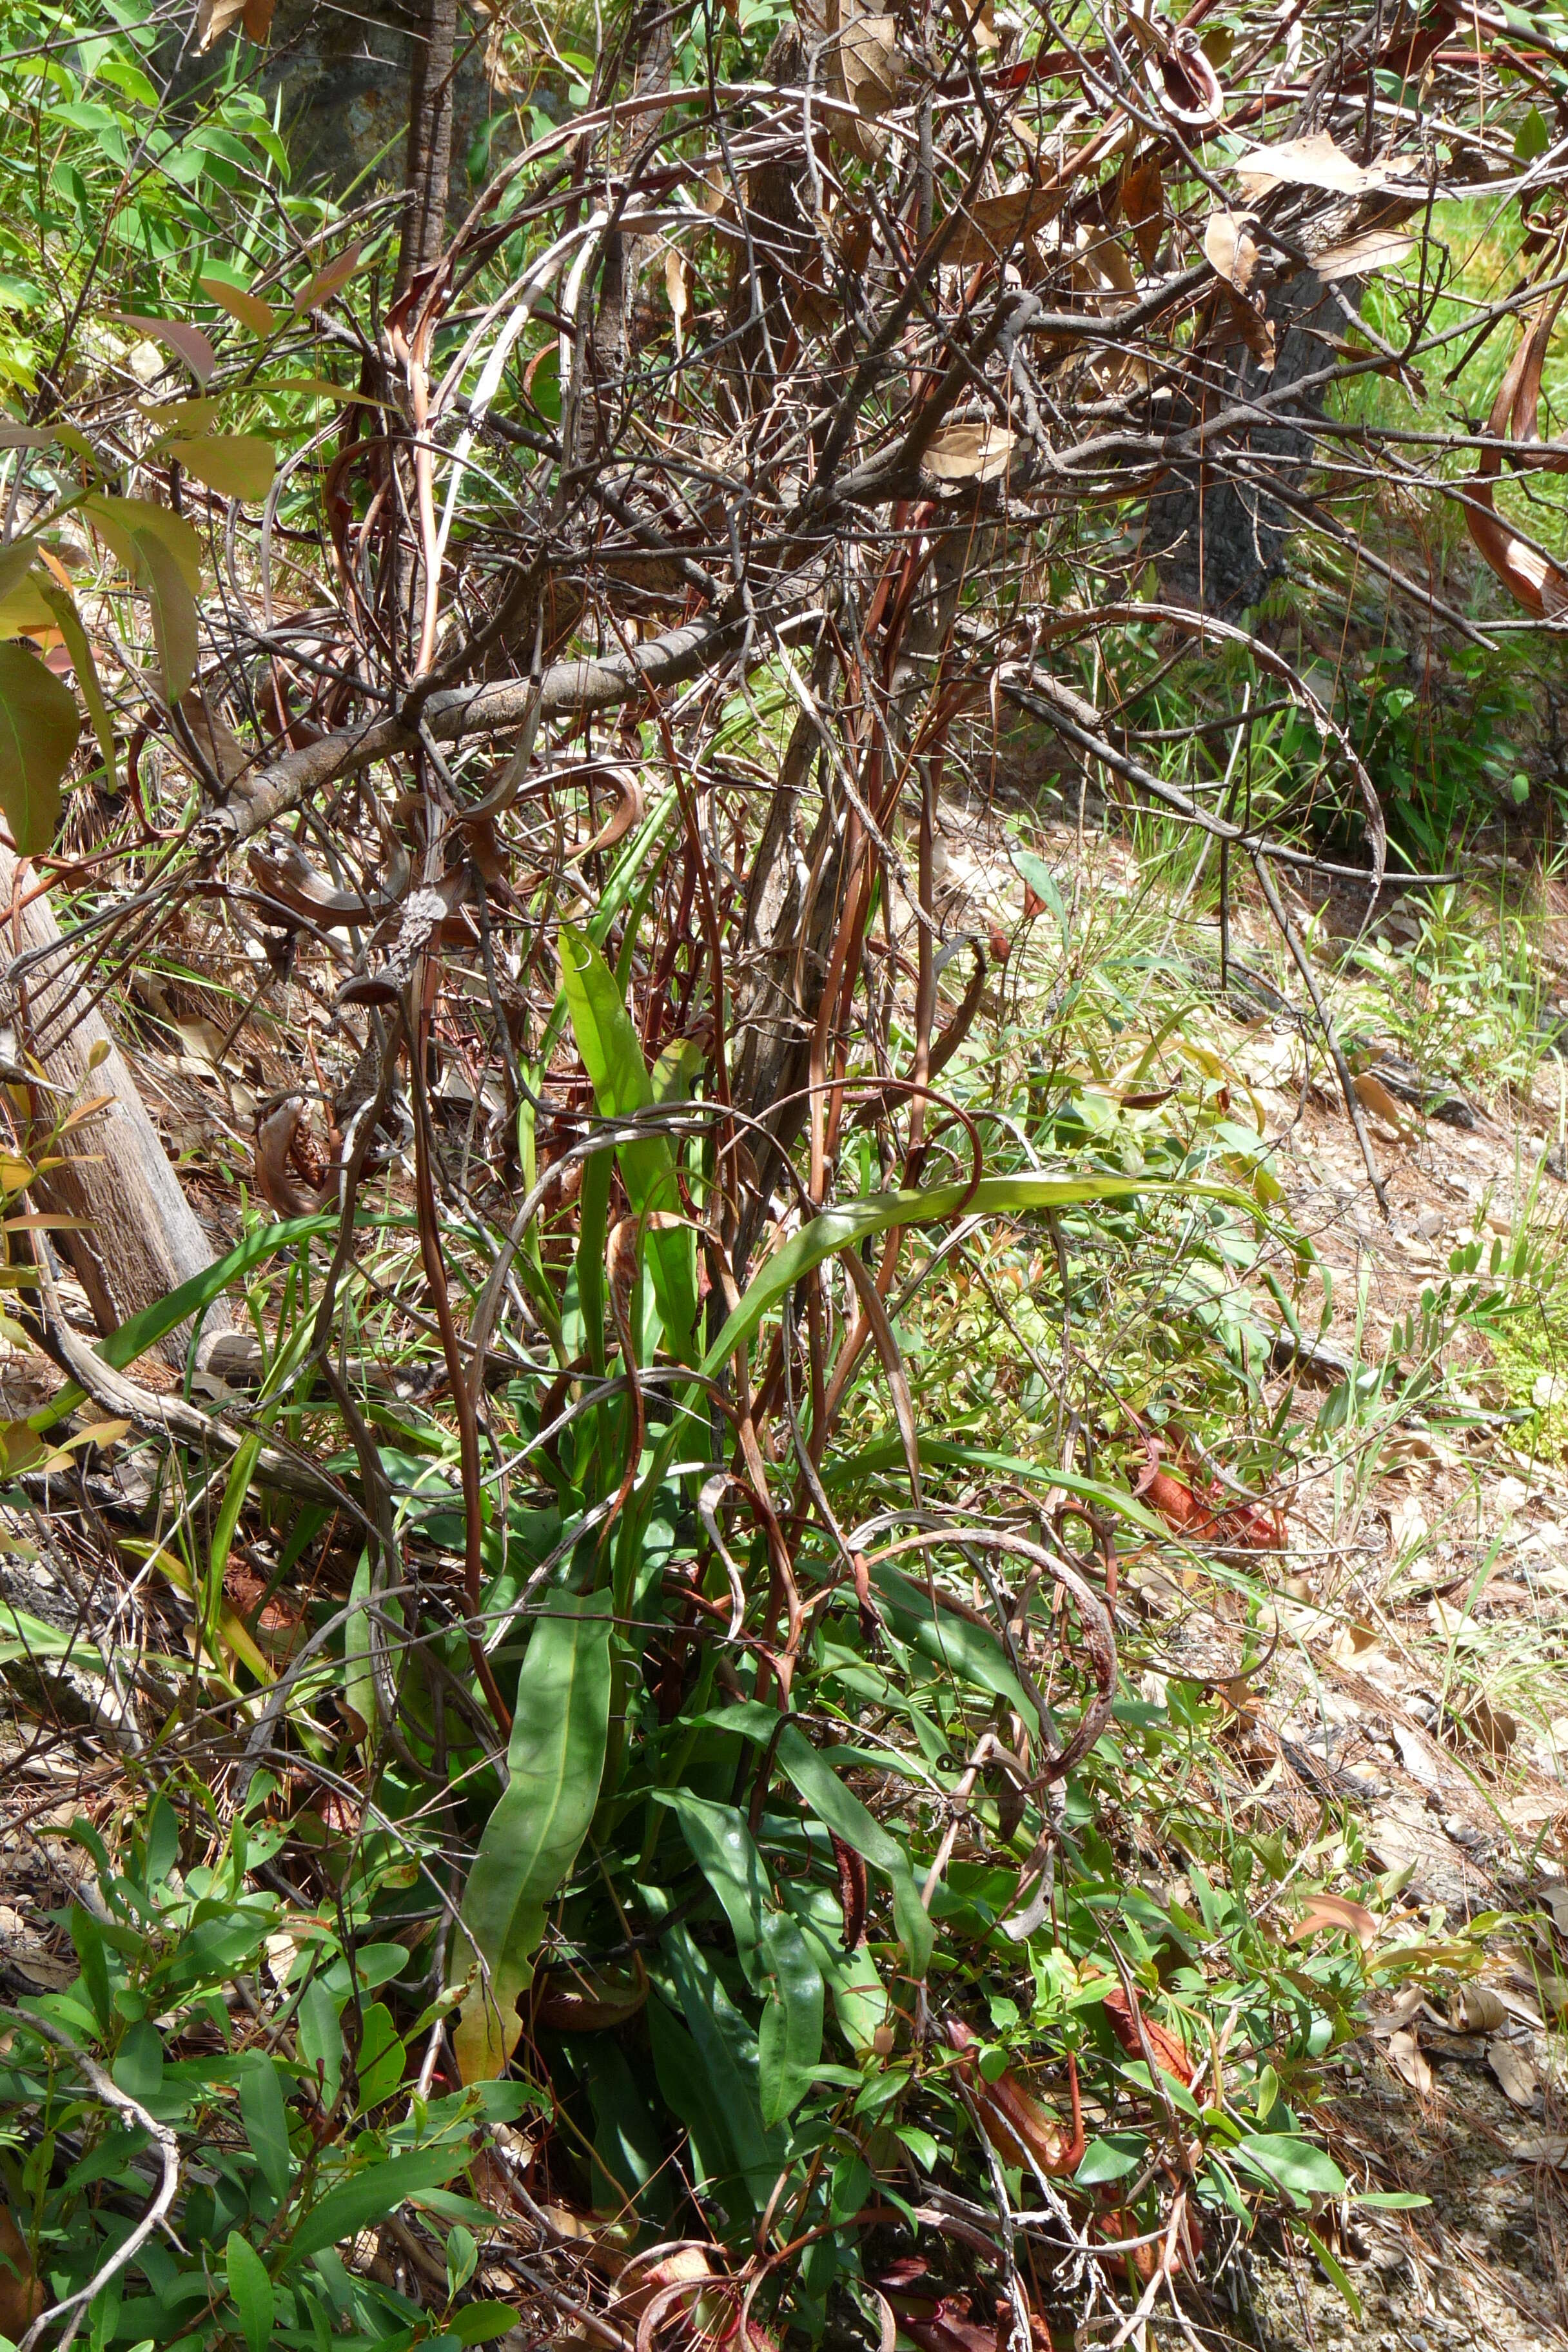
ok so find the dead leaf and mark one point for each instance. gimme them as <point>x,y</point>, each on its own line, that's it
<point>1476,2008</point>
<point>1555,1897</point>
<point>1363,255</point>
<point>1533,579</point>
<point>1231,250</point>
<point>969,452</point>
<point>256,18</point>
<point>1491,1728</point>
<point>977,19</point>
<point>1417,1758</point>
<point>224,753</point>
<point>1100,266</point>
<point>866,65</point>
<point>1314,163</point>
<point>1517,2077</point>
<point>1375,1096</point>
<point>1408,2002</point>
<point>675,270</point>
<point>22,2294</point>
<point>1143,206</point>
<point>1336,1912</point>
<point>993,227</point>
<point>1404,2057</point>
<point>214,18</point>
<point>1543,2148</point>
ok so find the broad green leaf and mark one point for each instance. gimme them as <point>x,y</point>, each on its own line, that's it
<point>240,303</point>
<point>726,1852</point>
<point>383,2056</point>
<point>727,2049</point>
<point>22,1636</point>
<point>789,2041</point>
<point>67,620</point>
<point>265,2120</point>
<point>555,1759</point>
<point>139,2063</point>
<point>858,1221</point>
<point>611,1055</point>
<point>838,1810</point>
<point>143,1330</point>
<point>236,464</point>
<point>1532,138</point>
<point>860,2003</point>
<point>117,521</point>
<point>481,2323</point>
<point>629,2148</point>
<point>971,1655</point>
<point>39,723</point>
<point>1110,2157</point>
<point>251,2288</point>
<point>372,2194</point>
<point>16,561</point>
<point>25,610</point>
<point>173,610</point>
<point>321,2037</point>
<point>1297,2166</point>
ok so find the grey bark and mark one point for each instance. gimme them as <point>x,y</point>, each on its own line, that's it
<point>140,1237</point>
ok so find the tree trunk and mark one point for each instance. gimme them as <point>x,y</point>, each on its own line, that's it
<point>428,171</point>
<point>140,1236</point>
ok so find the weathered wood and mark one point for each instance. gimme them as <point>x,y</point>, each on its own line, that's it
<point>140,1238</point>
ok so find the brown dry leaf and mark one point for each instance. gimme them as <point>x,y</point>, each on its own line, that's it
<point>1359,256</point>
<point>1100,266</point>
<point>221,748</point>
<point>1336,1911</point>
<point>969,452</point>
<point>1514,2072</point>
<point>994,226</point>
<point>256,18</point>
<point>1143,206</point>
<point>1544,2147</point>
<point>675,286</point>
<point>22,2292</point>
<point>214,18</point>
<point>1314,163</point>
<point>866,61</point>
<point>1405,2056</point>
<point>1491,1727</point>
<point>1231,250</point>
<point>1416,1756</point>
<point>1476,2008</point>
<point>1532,579</point>
<point>1408,2002</point>
<point>975,17</point>
<point>1375,1096</point>
<point>1555,1897</point>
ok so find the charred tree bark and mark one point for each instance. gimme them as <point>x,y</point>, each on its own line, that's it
<point>138,1237</point>
<point>428,169</point>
